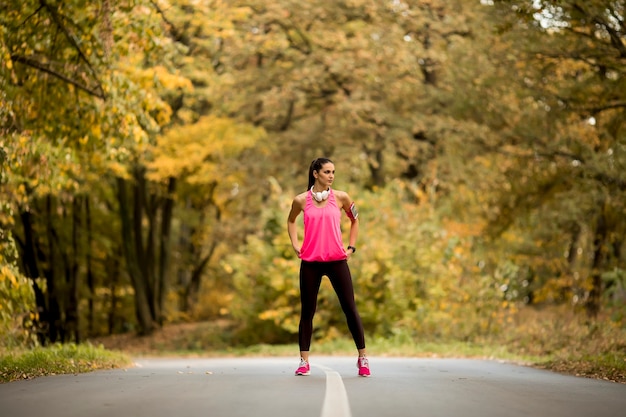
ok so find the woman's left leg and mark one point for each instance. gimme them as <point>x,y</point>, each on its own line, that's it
<point>341,280</point>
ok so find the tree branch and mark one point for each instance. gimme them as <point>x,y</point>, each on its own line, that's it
<point>306,49</point>
<point>177,34</point>
<point>38,65</point>
<point>70,37</point>
<point>600,108</point>
<point>594,173</point>
<point>616,40</point>
<point>31,15</point>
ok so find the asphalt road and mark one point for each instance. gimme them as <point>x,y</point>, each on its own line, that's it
<point>259,387</point>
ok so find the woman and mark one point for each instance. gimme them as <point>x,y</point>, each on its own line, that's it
<point>322,253</point>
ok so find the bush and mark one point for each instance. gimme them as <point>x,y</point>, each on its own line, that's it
<point>413,274</point>
<point>17,300</point>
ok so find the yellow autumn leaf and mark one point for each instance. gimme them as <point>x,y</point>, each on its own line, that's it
<point>96,131</point>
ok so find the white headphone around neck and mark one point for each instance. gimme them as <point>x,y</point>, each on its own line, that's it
<point>321,196</point>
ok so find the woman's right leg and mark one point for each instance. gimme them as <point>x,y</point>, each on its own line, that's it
<point>310,280</point>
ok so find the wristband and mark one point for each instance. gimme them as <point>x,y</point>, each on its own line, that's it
<point>353,248</point>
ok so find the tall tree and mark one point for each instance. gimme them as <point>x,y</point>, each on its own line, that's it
<point>571,65</point>
<point>73,109</point>
<point>355,79</point>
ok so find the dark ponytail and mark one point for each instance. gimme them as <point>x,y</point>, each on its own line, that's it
<point>316,165</point>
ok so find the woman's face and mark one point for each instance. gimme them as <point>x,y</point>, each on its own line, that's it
<point>325,176</point>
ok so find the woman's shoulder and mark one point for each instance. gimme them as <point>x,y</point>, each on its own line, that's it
<point>342,196</point>
<point>300,199</point>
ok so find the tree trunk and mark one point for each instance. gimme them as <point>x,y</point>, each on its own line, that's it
<point>164,258</point>
<point>114,273</point>
<point>183,270</point>
<point>146,259</point>
<point>71,308</point>
<point>599,256</point>
<point>575,232</point>
<point>90,278</point>
<point>31,270</point>
<point>54,309</point>
<point>131,244</point>
<point>376,163</point>
<point>147,249</point>
<point>193,288</point>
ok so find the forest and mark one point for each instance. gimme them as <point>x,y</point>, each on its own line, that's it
<point>150,151</point>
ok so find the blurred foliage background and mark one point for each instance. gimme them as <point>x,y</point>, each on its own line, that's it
<point>150,150</point>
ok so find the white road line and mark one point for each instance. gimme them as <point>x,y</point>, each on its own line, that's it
<point>336,399</point>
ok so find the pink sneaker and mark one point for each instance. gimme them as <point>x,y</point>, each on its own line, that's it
<point>364,366</point>
<point>304,368</point>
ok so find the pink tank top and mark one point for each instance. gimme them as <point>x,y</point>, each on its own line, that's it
<point>322,231</point>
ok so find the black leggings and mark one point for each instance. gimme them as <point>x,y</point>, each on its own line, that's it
<point>310,279</point>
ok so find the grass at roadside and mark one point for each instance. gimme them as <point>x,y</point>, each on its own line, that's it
<point>569,349</point>
<point>58,359</point>
<point>387,348</point>
<point>70,359</point>
<point>609,366</point>
<point>556,340</point>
